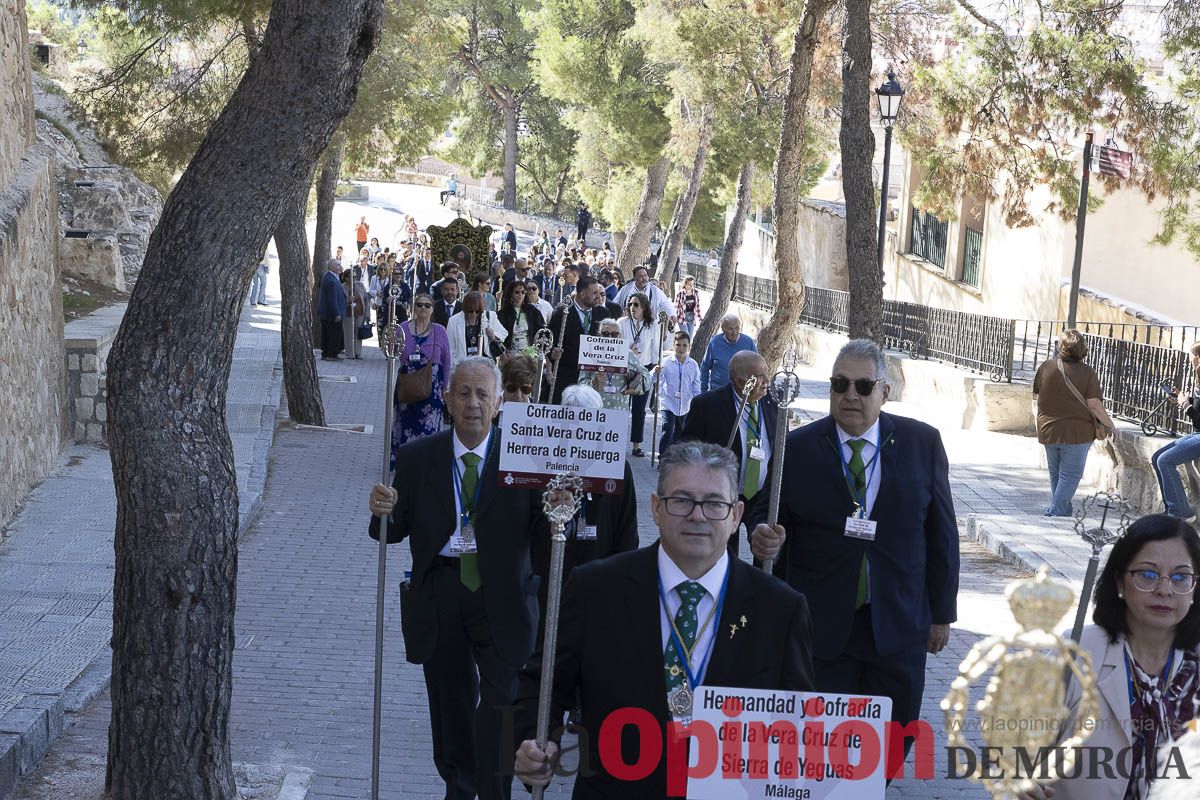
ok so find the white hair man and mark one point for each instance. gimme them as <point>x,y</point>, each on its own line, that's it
<point>714,369</point>
<point>470,540</point>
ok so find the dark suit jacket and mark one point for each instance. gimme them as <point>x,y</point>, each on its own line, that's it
<point>713,415</point>
<point>568,365</point>
<point>423,276</point>
<point>615,518</point>
<point>504,521</point>
<point>610,651</point>
<point>914,558</point>
<point>331,302</point>
<point>439,310</point>
<point>533,319</point>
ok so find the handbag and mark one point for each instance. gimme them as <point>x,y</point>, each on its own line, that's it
<point>415,386</point>
<point>366,330</point>
<point>1099,431</point>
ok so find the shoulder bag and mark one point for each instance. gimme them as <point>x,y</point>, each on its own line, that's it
<point>1099,431</point>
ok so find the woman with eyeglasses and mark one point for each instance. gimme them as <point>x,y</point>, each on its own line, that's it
<point>426,347</point>
<point>519,319</point>
<point>1144,653</point>
<point>533,298</point>
<point>639,329</point>
<point>517,377</point>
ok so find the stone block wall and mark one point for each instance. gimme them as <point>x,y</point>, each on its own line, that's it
<point>88,342</point>
<point>16,89</point>
<point>32,373</point>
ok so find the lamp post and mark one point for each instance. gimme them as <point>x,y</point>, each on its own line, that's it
<point>81,48</point>
<point>890,94</point>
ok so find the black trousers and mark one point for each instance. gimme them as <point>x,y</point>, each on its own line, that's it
<point>468,682</point>
<point>860,669</point>
<point>331,338</point>
<point>582,231</point>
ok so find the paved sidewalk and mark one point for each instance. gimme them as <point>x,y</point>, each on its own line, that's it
<point>56,562</point>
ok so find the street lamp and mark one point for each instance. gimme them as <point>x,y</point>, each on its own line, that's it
<point>890,95</point>
<point>81,48</point>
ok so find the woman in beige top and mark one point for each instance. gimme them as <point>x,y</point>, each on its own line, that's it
<point>1067,424</point>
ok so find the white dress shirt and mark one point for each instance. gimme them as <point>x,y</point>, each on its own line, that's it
<point>678,384</point>
<point>656,296</point>
<point>461,450</point>
<point>868,453</point>
<point>642,339</point>
<point>545,308</point>
<point>748,433</point>
<point>712,581</point>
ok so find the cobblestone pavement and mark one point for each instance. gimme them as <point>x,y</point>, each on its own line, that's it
<point>302,692</point>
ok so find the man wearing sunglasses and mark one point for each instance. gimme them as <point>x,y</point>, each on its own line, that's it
<point>642,630</point>
<point>872,540</point>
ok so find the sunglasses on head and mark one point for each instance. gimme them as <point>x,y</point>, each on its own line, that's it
<point>864,386</point>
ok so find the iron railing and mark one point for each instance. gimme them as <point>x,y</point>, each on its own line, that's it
<point>1036,340</point>
<point>929,236</point>
<point>747,289</point>
<point>972,253</point>
<point>974,341</point>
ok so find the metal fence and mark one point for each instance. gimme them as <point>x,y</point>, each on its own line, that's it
<point>974,341</point>
<point>929,236</point>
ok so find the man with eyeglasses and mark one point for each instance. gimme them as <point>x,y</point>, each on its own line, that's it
<point>872,539</point>
<point>643,630</point>
<point>716,414</point>
<point>583,313</point>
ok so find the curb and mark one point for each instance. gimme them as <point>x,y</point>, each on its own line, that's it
<point>1013,553</point>
<point>26,733</point>
<point>295,785</point>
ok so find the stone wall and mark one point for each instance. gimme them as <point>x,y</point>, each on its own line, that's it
<point>16,93</point>
<point>88,342</point>
<point>32,376</point>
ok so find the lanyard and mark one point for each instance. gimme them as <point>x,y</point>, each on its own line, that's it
<point>869,469</point>
<point>467,511</point>
<point>1162,679</point>
<point>757,421</point>
<point>694,677</point>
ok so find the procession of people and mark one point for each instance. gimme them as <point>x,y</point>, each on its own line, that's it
<point>850,572</point>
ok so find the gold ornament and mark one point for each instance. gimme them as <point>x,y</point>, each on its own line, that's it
<point>1024,705</point>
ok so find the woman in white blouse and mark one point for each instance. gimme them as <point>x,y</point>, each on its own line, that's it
<point>468,328</point>
<point>639,330</point>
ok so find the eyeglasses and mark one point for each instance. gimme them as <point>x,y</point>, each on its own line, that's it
<point>524,388</point>
<point>864,386</point>
<point>635,305</point>
<point>424,305</point>
<point>1147,580</point>
<point>684,506</point>
<point>610,335</point>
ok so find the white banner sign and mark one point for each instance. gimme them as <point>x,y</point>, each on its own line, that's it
<point>541,441</point>
<point>798,745</point>
<point>603,354</point>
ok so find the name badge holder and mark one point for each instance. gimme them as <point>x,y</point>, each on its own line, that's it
<point>463,540</point>
<point>584,531</point>
<point>858,526</point>
<point>757,452</point>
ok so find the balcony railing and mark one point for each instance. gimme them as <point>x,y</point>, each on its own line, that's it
<point>928,237</point>
<point>972,254</point>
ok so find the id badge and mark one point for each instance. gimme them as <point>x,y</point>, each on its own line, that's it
<point>586,533</point>
<point>414,357</point>
<point>757,453</point>
<point>464,540</point>
<point>861,528</point>
<point>610,388</point>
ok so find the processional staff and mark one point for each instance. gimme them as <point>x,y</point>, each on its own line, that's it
<point>662,332</point>
<point>543,342</point>
<point>391,342</point>
<point>562,334</point>
<point>560,511</point>
<point>784,388</point>
<point>747,388</point>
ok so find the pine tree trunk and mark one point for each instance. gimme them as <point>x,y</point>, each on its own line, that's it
<point>509,112</point>
<point>295,282</point>
<point>636,248</point>
<point>686,205</point>
<point>727,278</point>
<point>865,307</point>
<point>775,338</point>
<point>175,577</point>
<point>331,171</point>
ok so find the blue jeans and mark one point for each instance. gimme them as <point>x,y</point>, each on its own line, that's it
<point>258,289</point>
<point>1166,461</point>
<point>1065,462</point>
<point>672,427</point>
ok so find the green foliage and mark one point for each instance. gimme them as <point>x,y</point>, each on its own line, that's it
<point>1006,113</point>
<point>54,24</point>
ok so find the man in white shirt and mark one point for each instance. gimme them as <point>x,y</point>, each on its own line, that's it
<point>678,383</point>
<point>658,298</point>
<point>665,620</point>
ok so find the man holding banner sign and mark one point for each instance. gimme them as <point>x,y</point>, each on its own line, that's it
<point>642,634</point>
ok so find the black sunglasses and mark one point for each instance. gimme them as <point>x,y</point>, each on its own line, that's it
<point>512,388</point>
<point>424,305</point>
<point>864,386</point>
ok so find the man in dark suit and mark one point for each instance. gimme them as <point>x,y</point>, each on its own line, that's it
<point>422,264</point>
<point>714,415</point>
<point>470,544</point>
<point>582,315</point>
<point>509,240</point>
<point>872,540</point>
<point>446,303</point>
<point>629,623</point>
<point>331,306</point>
<point>605,525</point>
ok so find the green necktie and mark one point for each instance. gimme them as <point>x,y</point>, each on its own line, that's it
<point>858,471</point>
<point>468,563</point>
<point>587,321</point>
<point>686,622</point>
<point>753,465</point>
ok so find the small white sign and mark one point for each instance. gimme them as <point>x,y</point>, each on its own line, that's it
<point>803,745</point>
<point>603,354</point>
<point>540,441</point>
